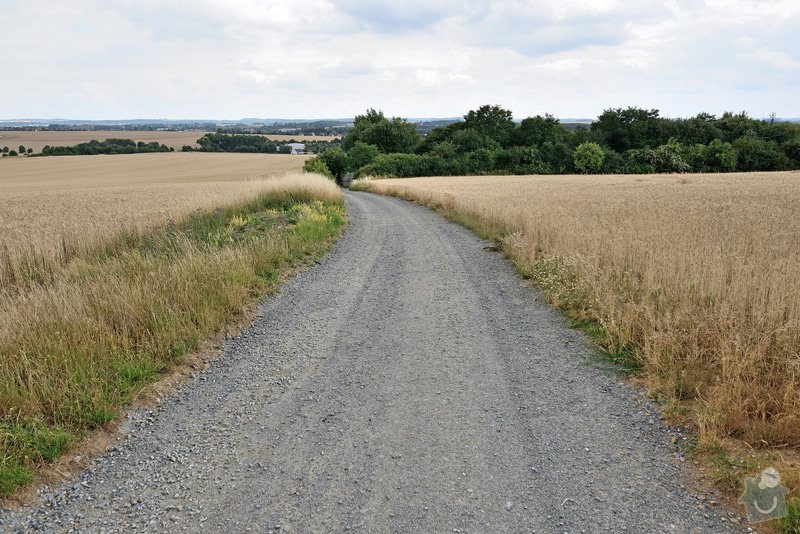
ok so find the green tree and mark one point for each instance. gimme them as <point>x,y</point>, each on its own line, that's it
<point>336,161</point>
<point>720,156</point>
<point>792,151</point>
<point>361,154</point>
<point>470,140</point>
<point>12,153</point>
<point>669,157</point>
<point>21,149</point>
<point>390,136</point>
<point>5,150</point>
<point>588,157</point>
<point>756,154</point>
<point>625,129</point>
<point>317,166</point>
<point>492,121</point>
<point>535,131</point>
<point>30,151</point>
<point>439,135</point>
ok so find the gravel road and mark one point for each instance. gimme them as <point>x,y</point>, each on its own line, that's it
<point>411,382</point>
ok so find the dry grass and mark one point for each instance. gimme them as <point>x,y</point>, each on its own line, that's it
<point>53,205</point>
<point>81,332</point>
<point>176,140</point>
<point>692,278</point>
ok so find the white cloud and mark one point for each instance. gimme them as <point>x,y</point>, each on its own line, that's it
<point>335,58</point>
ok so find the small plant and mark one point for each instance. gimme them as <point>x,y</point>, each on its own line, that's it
<point>730,470</point>
<point>688,447</point>
<point>791,523</point>
<point>12,477</point>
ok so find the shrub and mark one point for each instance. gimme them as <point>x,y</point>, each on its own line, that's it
<point>360,155</point>
<point>317,166</point>
<point>336,161</point>
<point>588,157</point>
<point>755,154</point>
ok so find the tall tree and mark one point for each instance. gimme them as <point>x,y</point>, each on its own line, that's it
<point>492,121</point>
<point>394,135</point>
<point>625,129</point>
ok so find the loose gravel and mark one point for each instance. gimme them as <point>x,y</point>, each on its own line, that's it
<point>410,382</point>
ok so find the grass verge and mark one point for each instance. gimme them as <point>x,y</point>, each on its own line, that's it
<point>583,295</point>
<point>80,344</point>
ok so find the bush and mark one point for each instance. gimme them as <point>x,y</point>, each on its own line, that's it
<point>480,161</point>
<point>317,166</point>
<point>640,161</point>
<point>401,165</point>
<point>755,154</point>
<point>721,157</point>
<point>588,157</point>
<point>336,161</point>
<point>613,162</point>
<point>792,150</point>
<point>669,157</point>
<point>361,154</point>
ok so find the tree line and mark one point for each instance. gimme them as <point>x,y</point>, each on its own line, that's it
<point>252,143</point>
<point>212,142</point>
<point>109,146</point>
<point>11,152</point>
<point>629,140</point>
<point>244,143</point>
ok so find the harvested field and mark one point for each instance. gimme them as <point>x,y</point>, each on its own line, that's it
<point>85,199</point>
<point>691,278</point>
<point>176,140</point>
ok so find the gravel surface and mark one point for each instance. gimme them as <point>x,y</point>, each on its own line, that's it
<point>411,382</point>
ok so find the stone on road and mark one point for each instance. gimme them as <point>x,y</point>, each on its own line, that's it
<point>411,382</point>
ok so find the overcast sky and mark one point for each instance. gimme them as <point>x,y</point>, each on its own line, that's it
<point>229,59</point>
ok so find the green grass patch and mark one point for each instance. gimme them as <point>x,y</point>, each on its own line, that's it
<point>97,329</point>
<point>791,523</point>
<point>12,476</point>
<point>623,357</point>
<point>730,470</point>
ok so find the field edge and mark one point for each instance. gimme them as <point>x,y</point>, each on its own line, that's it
<point>275,236</point>
<point>728,461</point>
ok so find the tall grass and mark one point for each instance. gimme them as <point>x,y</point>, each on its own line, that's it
<point>691,280</point>
<point>55,208</point>
<point>79,337</point>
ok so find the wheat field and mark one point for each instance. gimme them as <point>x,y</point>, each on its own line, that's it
<point>38,140</point>
<point>696,275</point>
<point>83,199</point>
<point>85,327</point>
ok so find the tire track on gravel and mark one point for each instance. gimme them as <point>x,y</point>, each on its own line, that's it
<point>411,382</point>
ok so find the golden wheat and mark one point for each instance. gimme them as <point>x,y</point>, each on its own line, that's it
<point>79,201</point>
<point>80,334</point>
<point>698,273</point>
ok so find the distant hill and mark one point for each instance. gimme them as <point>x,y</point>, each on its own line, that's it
<point>426,123</point>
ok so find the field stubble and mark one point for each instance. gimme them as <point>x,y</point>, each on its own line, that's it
<point>691,278</point>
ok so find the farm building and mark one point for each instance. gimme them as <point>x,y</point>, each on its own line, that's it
<point>297,148</point>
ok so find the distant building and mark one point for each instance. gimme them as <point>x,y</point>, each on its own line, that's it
<point>297,148</point>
